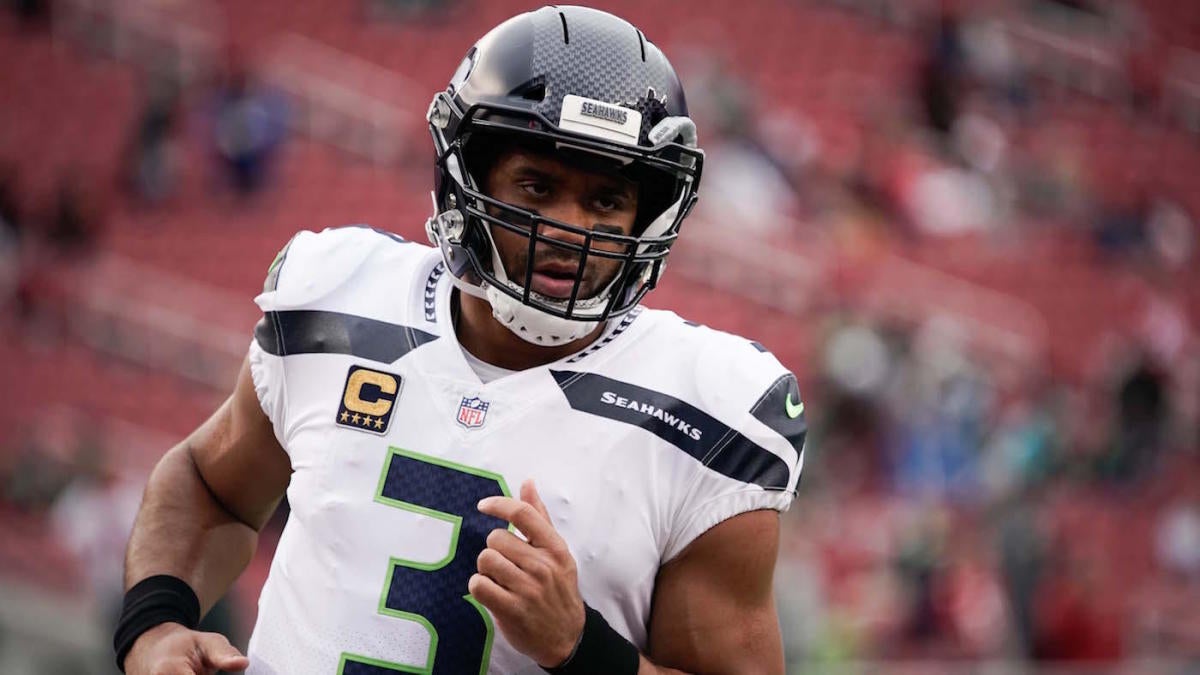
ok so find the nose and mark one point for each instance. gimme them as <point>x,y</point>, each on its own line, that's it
<point>569,214</point>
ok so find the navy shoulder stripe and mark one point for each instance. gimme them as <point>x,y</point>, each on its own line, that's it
<point>677,422</point>
<point>781,409</point>
<point>307,331</point>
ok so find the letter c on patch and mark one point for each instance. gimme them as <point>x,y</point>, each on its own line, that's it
<point>353,397</point>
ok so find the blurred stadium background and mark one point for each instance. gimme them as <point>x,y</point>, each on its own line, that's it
<point>970,228</point>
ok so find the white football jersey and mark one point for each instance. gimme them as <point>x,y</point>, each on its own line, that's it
<point>637,444</point>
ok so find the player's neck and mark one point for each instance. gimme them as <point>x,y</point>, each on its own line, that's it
<point>488,340</point>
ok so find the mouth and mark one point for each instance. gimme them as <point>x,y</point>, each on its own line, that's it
<point>554,279</point>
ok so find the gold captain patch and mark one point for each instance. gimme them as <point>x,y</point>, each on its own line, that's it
<point>368,399</point>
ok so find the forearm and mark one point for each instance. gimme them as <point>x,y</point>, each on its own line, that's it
<point>751,644</point>
<point>182,530</point>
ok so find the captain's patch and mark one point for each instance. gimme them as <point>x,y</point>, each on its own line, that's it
<point>368,399</point>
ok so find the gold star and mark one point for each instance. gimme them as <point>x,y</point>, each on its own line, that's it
<point>378,423</point>
<point>355,418</point>
<point>345,415</point>
<point>366,420</point>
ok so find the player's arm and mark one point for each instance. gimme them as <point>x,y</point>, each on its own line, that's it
<point>204,504</point>
<point>713,609</point>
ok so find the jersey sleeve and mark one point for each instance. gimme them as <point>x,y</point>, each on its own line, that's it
<point>756,464</point>
<point>311,272</point>
<point>266,369</point>
<point>269,385</point>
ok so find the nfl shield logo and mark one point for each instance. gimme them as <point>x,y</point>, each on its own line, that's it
<point>472,412</point>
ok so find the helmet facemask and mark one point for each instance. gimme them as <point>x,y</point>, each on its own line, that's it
<point>467,218</point>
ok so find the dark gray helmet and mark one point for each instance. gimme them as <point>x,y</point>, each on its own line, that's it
<point>580,82</point>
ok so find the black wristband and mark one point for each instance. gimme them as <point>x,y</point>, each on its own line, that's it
<point>601,651</point>
<point>152,601</point>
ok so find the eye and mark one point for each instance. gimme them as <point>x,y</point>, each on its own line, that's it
<point>536,188</point>
<point>608,203</point>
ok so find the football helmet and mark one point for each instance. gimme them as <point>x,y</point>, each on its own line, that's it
<point>582,84</point>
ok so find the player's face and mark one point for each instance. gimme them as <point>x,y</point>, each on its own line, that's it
<point>596,200</point>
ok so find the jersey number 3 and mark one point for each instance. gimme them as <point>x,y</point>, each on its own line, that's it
<point>435,594</point>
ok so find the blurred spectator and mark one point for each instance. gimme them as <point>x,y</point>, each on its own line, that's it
<point>248,129</point>
<point>940,75</point>
<point>995,62</point>
<point>33,13</point>
<point>1070,624</point>
<point>799,596</point>
<point>1136,222</point>
<point>74,224</point>
<point>1177,540</point>
<point>747,186</point>
<point>11,234</point>
<point>919,563</point>
<point>951,199</point>
<point>33,477</point>
<point>151,157</point>
<point>1122,223</point>
<point>1170,616</point>
<point>1142,409</point>
<point>722,104</point>
<point>975,601</point>
<point>941,402</point>
<point>745,190</point>
<point>883,168</point>
<point>1022,561</point>
<point>1050,172</point>
<point>1022,446</point>
<point>1161,325</point>
<point>93,516</point>
<point>1172,234</point>
<point>11,221</point>
<point>857,367</point>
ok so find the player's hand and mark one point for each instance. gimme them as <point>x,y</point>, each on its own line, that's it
<point>531,588</point>
<point>172,649</point>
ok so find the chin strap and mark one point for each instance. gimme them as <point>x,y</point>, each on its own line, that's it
<point>532,324</point>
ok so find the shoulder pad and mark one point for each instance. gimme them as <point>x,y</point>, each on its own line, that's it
<point>315,264</point>
<point>738,379</point>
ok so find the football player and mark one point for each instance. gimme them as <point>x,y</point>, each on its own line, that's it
<point>497,461</point>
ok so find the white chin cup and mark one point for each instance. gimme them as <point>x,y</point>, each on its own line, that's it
<point>532,324</point>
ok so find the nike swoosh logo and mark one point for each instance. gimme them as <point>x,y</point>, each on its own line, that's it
<point>793,409</point>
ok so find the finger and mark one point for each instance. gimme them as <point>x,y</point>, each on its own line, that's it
<point>512,547</point>
<point>490,594</point>
<point>537,565</point>
<point>218,653</point>
<point>492,564</point>
<point>529,495</point>
<point>536,528</point>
